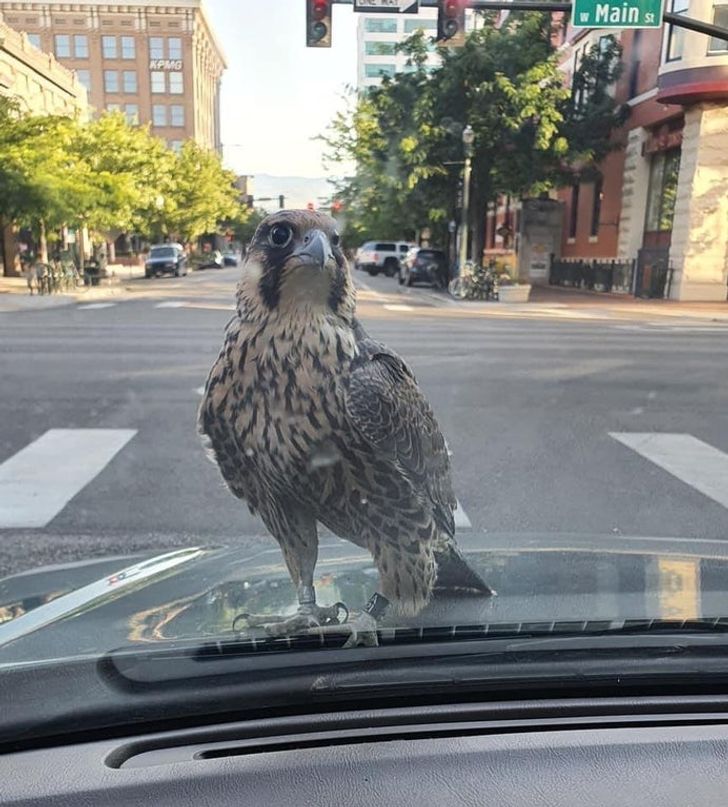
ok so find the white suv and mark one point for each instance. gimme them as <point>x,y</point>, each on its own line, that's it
<point>381,256</point>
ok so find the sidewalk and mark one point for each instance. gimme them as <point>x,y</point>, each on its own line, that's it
<point>622,305</point>
<point>14,294</point>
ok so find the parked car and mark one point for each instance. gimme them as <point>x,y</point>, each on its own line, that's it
<point>381,256</point>
<point>229,258</point>
<point>166,259</point>
<point>424,265</point>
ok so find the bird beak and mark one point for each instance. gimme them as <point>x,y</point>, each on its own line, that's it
<point>316,250</point>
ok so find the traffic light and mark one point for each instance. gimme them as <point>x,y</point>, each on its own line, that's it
<point>318,23</point>
<point>451,22</point>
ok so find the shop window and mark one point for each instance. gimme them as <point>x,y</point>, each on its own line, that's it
<point>662,193</point>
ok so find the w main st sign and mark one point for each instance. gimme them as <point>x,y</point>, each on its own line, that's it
<point>606,14</point>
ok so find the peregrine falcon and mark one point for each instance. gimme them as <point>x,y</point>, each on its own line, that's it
<point>311,421</point>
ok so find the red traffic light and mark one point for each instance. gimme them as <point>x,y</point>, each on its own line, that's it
<point>320,9</point>
<point>318,23</point>
<point>451,21</point>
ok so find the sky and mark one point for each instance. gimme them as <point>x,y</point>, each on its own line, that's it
<point>277,94</point>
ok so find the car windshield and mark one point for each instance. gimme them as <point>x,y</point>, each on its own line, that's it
<point>437,337</point>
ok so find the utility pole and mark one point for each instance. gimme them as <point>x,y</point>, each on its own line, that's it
<point>468,140</point>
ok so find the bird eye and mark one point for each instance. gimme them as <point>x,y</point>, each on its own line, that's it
<point>280,235</point>
<point>335,240</point>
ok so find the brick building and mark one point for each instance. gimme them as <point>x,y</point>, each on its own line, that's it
<point>42,86</point>
<point>662,198</point>
<point>159,62</point>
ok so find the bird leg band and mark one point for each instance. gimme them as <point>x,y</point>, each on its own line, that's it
<point>377,606</point>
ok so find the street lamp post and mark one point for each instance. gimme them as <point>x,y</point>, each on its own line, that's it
<point>468,140</point>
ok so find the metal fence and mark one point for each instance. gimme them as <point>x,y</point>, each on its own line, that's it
<point>605,276</point>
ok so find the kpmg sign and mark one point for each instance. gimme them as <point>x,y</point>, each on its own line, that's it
<point>165,64</point>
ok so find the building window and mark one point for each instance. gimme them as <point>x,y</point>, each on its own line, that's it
<point>410,26</point>
<point>111,81</point>
<point>380,26</point>
<point>157,79</point>
<point>176,83</point>
<point>159,115</point>
<point>132,114</point>
<point>377,70</point>
<point>662,192</point>
<point>129,78</point>
<point>113,107</point>
<point>177,115</point>
<point>174,47</point>
<point>574,211</point>
<point>128,50</point>
<point>596,208</point>
<point>108,47</point>
<point>379,48</point>
<point>634,62</point>
<point>156,47</point>
<point>34,40</point>
<point>720,17</point>
<point>676,36</point>
<point>62,46</point>
<point>176,146</point>
<point>84,76</point>
<point>80,46</point>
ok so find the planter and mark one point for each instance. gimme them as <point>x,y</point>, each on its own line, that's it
<point>514,294</point>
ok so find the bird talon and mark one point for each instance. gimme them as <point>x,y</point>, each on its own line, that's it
<point>361,630</point>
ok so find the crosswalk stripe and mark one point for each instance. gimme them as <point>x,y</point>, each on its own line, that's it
<point>40,480</point>
<point>690,460</point>
<point>90,306</point>
<point>171,304</point>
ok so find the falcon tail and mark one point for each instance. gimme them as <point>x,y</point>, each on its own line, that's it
<point>456,577</point>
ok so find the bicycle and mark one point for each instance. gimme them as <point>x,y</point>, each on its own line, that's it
<point>474,283</point>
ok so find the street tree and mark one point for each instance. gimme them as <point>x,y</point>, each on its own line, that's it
<point>532,132</point>
<point>204,194</point>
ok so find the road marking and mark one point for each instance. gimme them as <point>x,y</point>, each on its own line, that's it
<point>171,304</point>
<point>462,522</point>
<point>40,480</point>
<point>574,371</point>
<point>367,288</point>
<point>692,461</point>
<point>90,306</point>
<point>200,390</point>
<point>398,307</point>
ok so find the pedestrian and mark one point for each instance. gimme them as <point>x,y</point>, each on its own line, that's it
<point>31,278</point>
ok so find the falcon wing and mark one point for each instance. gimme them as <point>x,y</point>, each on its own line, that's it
<point>215,430</point>
<point>386,406</point>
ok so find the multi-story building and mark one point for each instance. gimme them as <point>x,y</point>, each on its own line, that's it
<point>661,198</point>
<point>157,61</point>
<point>41,86</point>
<point>377,38</point>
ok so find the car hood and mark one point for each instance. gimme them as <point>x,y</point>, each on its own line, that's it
<point>194,594</point>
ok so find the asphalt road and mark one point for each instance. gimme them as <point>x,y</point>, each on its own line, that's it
<point>528,404</point>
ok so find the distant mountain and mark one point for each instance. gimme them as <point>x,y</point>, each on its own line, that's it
<point>298,191</point>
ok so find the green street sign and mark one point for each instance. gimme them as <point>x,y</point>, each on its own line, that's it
<point>617,13</point>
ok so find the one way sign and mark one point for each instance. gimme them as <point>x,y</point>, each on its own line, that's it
<point>389,6</point>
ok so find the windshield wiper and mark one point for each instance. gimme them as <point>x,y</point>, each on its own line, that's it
<point>399,636</point>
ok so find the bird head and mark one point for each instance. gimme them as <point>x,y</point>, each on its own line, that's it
<point>295,266</point>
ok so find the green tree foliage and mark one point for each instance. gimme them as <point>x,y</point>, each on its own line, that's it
<point>109,176</point>
<point>531,131</point>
